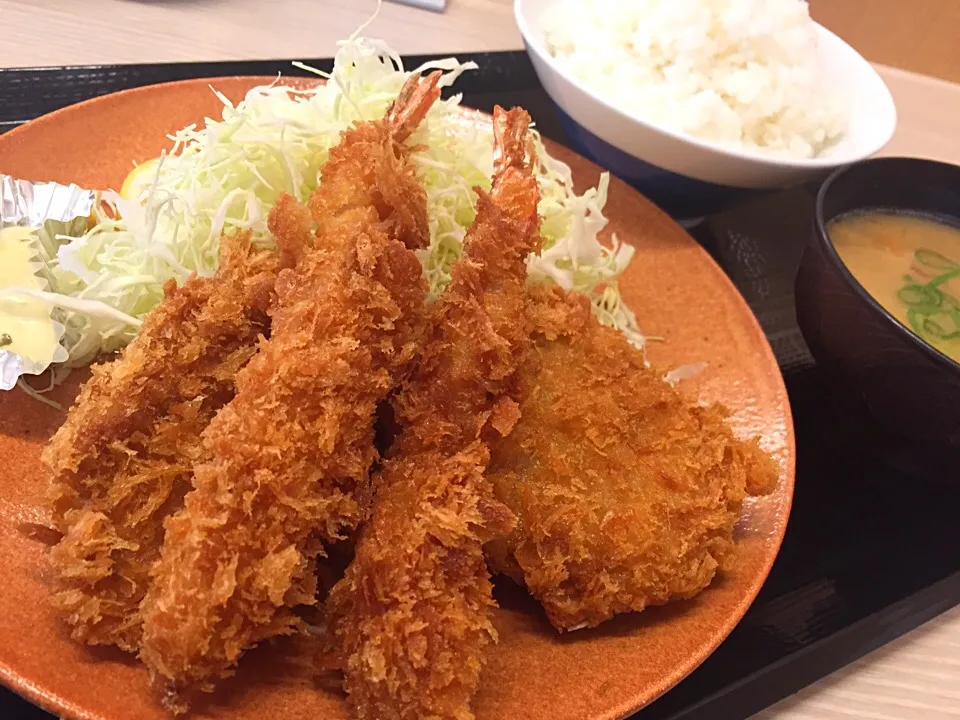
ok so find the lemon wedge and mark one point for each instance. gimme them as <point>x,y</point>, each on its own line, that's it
<point>139,180</point>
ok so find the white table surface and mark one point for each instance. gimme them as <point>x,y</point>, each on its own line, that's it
<point>915,677</point>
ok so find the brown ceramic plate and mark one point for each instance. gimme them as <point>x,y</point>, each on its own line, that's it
<point>534,673</point>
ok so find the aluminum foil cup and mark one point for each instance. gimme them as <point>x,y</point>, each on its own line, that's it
<point>50,210</point>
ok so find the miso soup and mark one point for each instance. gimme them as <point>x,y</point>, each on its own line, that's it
<point>911,266</point>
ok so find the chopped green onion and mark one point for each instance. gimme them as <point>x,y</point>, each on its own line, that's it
<point>932,313</point>
<point>933,259</point>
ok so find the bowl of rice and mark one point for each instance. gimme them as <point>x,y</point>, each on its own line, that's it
<point>702,103</point>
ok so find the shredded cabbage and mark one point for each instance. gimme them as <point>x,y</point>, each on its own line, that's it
<point>225,176</point>
<point>684,372</point>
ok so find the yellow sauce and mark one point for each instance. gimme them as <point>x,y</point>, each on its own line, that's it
<point>911,266</point>
<point>25,325</point>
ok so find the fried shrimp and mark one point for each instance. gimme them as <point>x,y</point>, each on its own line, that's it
<point>626,492</point>
<point>410,620</point>
<point>289,456</point>
<point>123,459</point>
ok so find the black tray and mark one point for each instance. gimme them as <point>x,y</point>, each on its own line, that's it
<point>871,548</point>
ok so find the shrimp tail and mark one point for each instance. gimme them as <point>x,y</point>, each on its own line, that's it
<point>512,141</point>
<point>515,192</point>
<point>416,97</point>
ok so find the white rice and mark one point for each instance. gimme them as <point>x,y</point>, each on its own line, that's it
<point>740,73</point>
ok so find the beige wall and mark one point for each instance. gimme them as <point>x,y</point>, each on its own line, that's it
<point>918,35</point>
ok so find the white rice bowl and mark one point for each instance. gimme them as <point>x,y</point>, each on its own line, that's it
<point>744,74</point>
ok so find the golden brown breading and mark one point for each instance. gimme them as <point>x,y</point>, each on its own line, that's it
<point>410,620</point>
<point>412,613</point>
<point>626,492</point>
<point>122,460</point>
<point>290,455</point>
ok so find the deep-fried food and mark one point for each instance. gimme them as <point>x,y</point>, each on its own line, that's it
<point>410,619</point>
<point>411,616</point>
<point>290,455</point>
<point>122,461</point>
<point>626,492</point>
